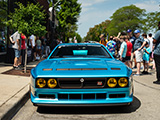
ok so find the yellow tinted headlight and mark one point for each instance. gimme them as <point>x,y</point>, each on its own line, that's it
<point>41,83</point>
<point>123,82</point>
<point>52,83</point>
<point>112,82</point>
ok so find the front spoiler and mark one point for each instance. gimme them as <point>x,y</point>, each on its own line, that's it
<point>81,105</point>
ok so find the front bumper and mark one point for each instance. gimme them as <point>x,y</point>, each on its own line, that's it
<point>108,101</point>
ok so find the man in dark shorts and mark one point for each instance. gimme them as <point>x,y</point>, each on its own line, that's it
<point>156,41</point>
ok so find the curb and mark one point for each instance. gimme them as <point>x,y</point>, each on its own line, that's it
<point>9,114</point>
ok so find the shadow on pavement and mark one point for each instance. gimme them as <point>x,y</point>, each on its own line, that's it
<point>19,72</point>
<point>91,110</point>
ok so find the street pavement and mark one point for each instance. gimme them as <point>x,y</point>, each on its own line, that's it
<point>14,91</point>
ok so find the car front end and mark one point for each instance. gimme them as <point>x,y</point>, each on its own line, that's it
<point>81,82</point>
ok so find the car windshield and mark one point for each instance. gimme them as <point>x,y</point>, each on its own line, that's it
<point>80,51</point>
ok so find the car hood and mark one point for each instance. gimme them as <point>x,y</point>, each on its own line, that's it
<point>81,67</point>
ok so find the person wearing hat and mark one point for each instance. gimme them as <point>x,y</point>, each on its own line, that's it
<point>103,41</point>
<point>132,40</point>
<point>156,53</point>
<point>138,50</point>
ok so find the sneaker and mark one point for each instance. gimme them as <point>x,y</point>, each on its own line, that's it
<point>14,67</point>
<point>136,74</point>
<point>147,72</point>
<point>143,72</point>
<point>17,68</point>
<point>156,82</point>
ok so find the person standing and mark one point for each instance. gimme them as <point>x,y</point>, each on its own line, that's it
<point>103,41</point>
<point>123,50</point>
<point>47,48</point>
<point>38,48</point>
<point>111,45</point>
<point>132,40</point>
<point>151,47</point>
<point>138,50</point>
<point>32,46</point>
<point>43,44</point>
<point>146,55</point>
<point>145,38</point>
<point>15,39</point>
<point>129,50</point>
<point>156,54</point>
<point>23,49</point>
<point>150,41</point>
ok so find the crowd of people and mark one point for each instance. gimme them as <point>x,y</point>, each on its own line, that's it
<point>40,48</point>
<point>131,48</point>
<point>136,49</point>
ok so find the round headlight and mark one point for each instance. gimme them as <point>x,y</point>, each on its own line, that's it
<point>41,82</point>
<point>123,82</point>
<point>52,83</point>
<point>112,82</point>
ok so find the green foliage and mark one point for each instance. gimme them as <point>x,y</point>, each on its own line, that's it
<point>67,16</point>
<point>97,30</point>
<point>3,14</point>
<point>28,20</point>
<point>151,21</point>
<point>128,17</point>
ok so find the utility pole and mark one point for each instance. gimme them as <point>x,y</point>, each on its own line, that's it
<point>53,32</point>
<point>53,27</point>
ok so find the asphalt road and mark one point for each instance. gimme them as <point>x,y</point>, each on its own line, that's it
<point>146,106</point>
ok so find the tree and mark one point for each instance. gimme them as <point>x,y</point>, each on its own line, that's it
<point>128,17</point>
<point>28,20</point>
<point>67,15</point>
<point>3,14</point>
<point>97,30</point>
<point>151,21</point>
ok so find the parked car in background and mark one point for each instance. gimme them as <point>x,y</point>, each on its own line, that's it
<point>2,46</point>
<point>81,74</point>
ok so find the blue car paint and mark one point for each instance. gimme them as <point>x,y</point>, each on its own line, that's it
<point>58,63</point>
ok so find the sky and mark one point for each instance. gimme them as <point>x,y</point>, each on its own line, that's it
<point>96,11</point>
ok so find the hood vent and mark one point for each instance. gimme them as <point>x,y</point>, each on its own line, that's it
<point>81,60</point>
<point>81,69</point>
<point>115,68</point>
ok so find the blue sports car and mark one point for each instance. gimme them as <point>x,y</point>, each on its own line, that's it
<point>81,74</point>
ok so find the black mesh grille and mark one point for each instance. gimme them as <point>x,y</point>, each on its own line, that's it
<point>81,82</point>
<point>85,96</point>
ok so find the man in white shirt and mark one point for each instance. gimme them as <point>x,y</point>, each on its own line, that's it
<point>151,47</point>
<point>151,41</point>
<point>16,41</point>
<point>32,46</point>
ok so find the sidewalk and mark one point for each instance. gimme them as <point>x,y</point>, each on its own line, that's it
<point>14,91</point>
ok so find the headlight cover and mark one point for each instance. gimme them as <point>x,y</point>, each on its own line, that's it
<point>41,82</point>
<point>112,82</point>
<point>123,82</point>
<point>52,83</point>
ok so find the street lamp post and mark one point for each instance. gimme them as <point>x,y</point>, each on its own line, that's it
<point>53,32</point>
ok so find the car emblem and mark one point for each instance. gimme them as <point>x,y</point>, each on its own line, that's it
<point>99,83</point>
<point>82,80</point>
